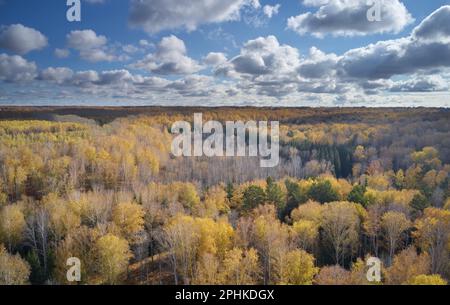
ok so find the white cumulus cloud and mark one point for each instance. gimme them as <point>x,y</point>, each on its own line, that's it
<point>158,15</point>
<point>16,69</point>
<point>20,39</point>
<point>271,10</point>
<point>170,58</point>
<point>92,47</point>
<point>349,18</point>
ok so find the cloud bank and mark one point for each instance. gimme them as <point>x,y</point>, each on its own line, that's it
<point>349,18</point>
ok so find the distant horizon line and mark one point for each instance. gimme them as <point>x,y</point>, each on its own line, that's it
<point>218,106</point>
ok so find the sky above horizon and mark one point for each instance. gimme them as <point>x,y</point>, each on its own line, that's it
<point>226,52</point>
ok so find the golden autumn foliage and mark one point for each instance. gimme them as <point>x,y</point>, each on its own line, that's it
<point>13,269</point>
<point>64,216</point>
<point>447,205</point>
<point>394,224</point>
<point>340,224</point>
<point>311,211</point>
<point>207,270</point>
<point>216,202</point>
<point>12,225</point>
<point>332,275</point>
<point>80,243</point>
<point>188,238</point>
<point>113,258</point>
<point>240,267</point>
<point>407,265</point>
<point>107,189</point>
<point>429,280</point>
<point>187,195</point>
<point>299,269</point>
<point>433,235</point>
<point>129,218</point>
<point>307,233</point>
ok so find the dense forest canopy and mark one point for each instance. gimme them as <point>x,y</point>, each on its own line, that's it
<point>102,185</point>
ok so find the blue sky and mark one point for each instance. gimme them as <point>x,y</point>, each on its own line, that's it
<point>230,53</point>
